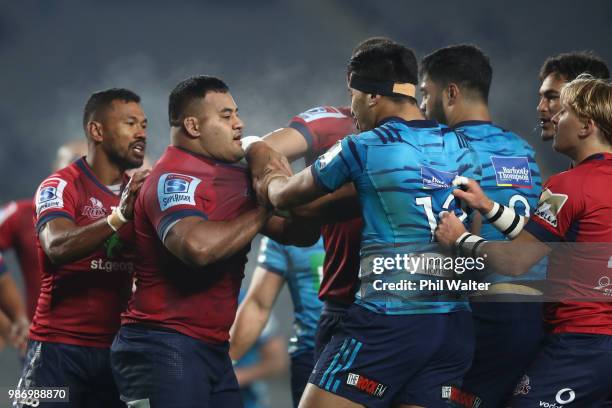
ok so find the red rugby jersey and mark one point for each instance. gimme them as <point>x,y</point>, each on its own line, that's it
<point>17,233</point>
<point>198,302</point>
<point>322,127</point>
<point>575,208</point>
<point>80,303</point>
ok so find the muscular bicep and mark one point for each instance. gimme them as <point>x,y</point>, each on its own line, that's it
<point>179,240</point>
<point>288,142</point>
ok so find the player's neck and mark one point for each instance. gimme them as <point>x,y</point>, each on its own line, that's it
<point>404,111</point>
<point>470,112</point>
<point>105,171</point>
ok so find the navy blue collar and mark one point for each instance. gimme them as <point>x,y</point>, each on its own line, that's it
<point>84,166</point>
<point>597,156</point>
<point>419,123</point>
<point>472,123</point>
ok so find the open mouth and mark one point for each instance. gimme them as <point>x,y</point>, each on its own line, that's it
<point>139,148</point>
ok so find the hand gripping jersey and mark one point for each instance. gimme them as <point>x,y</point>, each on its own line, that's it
<point>302,268</point>
<point>510,176</point>
<point>81,302</point>
<point>403,172</point>
<point>198,302</point>
<point>17,233</point>
<point>322,127</point>
<point>575,209</point>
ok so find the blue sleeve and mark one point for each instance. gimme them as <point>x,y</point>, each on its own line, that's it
<point>342,163</point>
<point>273,257</point>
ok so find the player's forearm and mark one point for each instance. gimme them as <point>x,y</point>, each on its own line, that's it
<point>341,205</point>
<point>273,362</point>
<point>293,231</point>
<point>70,244</point>
<point>286,193</point>
<point>5,328</point>
<point>250,322</point>
<point>11,301</point>
<point>212,241</point>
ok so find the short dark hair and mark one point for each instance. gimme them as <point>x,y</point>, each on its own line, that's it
<point>464,64</point>
<point>386,61</point>
<point>570,65</point>
<point>371,42</point>
<point>186,91</point>
<point>101,100</point>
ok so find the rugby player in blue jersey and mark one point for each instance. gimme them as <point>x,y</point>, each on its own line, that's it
<point>455,85</point>
<point>301,269</point>
<point>401,347</point>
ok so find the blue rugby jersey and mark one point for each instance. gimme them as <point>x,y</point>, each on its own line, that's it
<point>403,172</point>
<point>302,269</point>
<point>510,176</point>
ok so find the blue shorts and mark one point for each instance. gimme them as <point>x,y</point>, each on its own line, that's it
<point>166,369</point>
<point>571,370</point>
<point>329,321</point>
<point>508,338</point>
<point>85,371</point>
<point>381,360</point>
<point>301,367</point>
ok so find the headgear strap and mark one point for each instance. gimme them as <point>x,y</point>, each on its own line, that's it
<point>384,88</point>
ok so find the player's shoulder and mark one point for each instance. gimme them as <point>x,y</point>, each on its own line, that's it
<point>323,112</point>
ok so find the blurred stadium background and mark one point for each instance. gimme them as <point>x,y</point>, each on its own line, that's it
<point>278,57</point>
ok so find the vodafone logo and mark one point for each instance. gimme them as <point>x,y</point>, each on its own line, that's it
<point>565,396</point>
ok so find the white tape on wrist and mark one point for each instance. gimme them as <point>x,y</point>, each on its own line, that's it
<point>116,219</point>
<point>506,220</point>
<point>468,244</point>
<point>247,141</point>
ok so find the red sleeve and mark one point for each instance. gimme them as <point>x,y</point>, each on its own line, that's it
<point>561,204</point>
<point>323,126</point>
<point>7,225</point>
<point>55,197</point>
<point>171,197</point>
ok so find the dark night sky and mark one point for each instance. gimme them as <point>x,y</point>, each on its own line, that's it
<point>279,58</point>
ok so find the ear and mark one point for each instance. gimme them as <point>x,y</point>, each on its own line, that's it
<point>587,127</point>
<point>373,99</point>
<point>192,126</point>
<point>453,92</point>
<point>95,132</point>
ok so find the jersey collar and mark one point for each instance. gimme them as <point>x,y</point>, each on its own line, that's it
<point>472,123</point>
<point>418,123</point>
<point>597,156</point>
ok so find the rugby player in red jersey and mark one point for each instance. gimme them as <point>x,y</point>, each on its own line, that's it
<point>85,258</point>
<point>573,223</point>
<point>194,222</point>
<point>17,233</point>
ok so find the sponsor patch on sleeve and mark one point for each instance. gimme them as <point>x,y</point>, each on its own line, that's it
<point>328,156</point>
<point>321,112</point>
<point>512,171</point>
<point>436,179</point>
<point>50,194</point>
<point>176,189</point>
<point>550,206</point>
